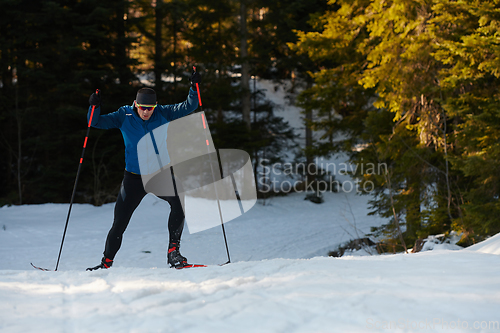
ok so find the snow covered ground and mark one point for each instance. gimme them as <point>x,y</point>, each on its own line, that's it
<point>280,279</point>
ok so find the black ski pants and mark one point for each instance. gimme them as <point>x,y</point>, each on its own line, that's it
<point>131,194</point>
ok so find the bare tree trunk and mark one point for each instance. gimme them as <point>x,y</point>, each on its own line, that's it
<point>158,69</point>
<point>387,178</point>
<point>121,50</point>
<point>309,142</point>
<point>174,57</point>
<point>447,172</point>
<point>19,145</point>
<point>245,67</point>
<point>396,219</point>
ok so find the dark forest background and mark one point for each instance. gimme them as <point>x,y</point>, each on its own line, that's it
<point>411,84</point>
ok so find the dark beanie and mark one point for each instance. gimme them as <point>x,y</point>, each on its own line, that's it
<point>146,96</point>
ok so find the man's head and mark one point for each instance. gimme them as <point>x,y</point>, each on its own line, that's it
<point>145,102</point>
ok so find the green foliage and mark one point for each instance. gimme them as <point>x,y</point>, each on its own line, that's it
<point>430,68</point>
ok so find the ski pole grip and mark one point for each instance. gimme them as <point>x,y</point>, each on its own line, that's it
<point>97,92</point>
<point>197,88</point>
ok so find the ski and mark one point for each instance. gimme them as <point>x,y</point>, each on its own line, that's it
<point>40,268</point>
<point>196,265</point>
<point>189,266</point>
<point>94,268</point>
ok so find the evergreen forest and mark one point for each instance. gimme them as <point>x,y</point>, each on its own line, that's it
<point>411,85</point>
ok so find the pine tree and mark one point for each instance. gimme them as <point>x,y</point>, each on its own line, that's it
<point>431,65</point>
<point>467,45</point>
<point>54,56</point>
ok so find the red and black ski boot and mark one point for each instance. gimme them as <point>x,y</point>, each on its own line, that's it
<point>105,264</point>
<point>175,259</point>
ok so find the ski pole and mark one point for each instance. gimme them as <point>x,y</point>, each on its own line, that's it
<point>218,203</point>
<point>76,182</point>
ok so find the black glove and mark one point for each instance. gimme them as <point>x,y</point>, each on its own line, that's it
<point>95,99</point>
<point>194,79</point>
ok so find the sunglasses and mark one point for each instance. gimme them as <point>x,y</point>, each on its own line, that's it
<point>145,107</point>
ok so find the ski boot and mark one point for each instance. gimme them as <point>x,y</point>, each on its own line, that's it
<point>175,259</point>
<point>105,264</point>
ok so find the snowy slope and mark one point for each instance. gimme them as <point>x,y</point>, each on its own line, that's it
<point>280,278</point>
<point>285,227</point>
<point>362,294</point>
<point>272,285</point>
<point>490,245</point>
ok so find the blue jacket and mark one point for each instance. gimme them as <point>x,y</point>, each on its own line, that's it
<point>133,128</point>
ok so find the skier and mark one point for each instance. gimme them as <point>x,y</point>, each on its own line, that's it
<point>134,121</point>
